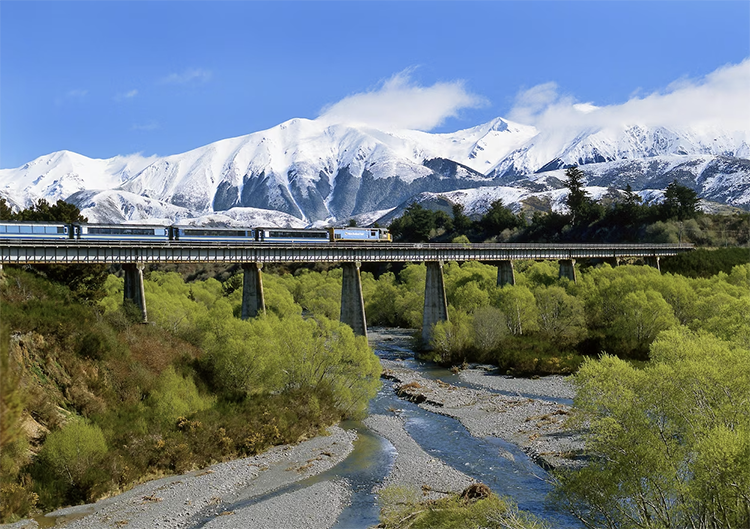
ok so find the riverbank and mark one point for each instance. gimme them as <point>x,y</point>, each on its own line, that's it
<point>414,467</point>
<point>206,498</point>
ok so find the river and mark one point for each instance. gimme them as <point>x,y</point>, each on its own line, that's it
<point>501,465</point>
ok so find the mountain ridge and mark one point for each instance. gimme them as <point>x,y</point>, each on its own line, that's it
<point>323,173</point>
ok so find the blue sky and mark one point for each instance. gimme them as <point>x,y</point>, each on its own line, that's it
<point>108,78</point>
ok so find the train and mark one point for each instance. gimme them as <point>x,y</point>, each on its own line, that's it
<point>11,230</point>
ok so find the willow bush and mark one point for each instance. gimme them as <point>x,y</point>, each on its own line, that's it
<point>73,456</point>
<point>544,324</point>
<point>668,444</point>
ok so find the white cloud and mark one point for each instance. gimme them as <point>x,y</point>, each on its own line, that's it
<point>191,74</point>
<point>721,98</point>
<point>122,96</point>
<point>534,101</point>
<point>401,104</point>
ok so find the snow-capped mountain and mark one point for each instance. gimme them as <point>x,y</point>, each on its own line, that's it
<point>60,174</point>
<point>551,150</point>
<point>312,172</point>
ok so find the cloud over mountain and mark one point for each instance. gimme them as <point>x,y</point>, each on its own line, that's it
<point>719,99</point>
<point>400,103</point>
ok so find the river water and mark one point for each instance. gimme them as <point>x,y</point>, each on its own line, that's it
<point>500,465</point>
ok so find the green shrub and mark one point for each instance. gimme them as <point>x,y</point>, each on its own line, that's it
<point>562,318</point>
<point>452,339</point>
<point>519,306</point>
<point>16,497</point>
<point>669,444</point>
<point>175,397</point>
<point>489,330</point>
<point>13,442</point>
<point>17,500</point>
<point>706,263</point>
<point>70,459</point>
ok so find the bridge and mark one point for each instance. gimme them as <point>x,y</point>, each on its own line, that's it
<point>133,256</point>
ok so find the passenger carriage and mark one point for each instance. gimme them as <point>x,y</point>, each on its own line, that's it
<point>120,232</point>
<point>142,232</point>
<point>35,230</point>
<point>203,234</point>
<point>291,235</point>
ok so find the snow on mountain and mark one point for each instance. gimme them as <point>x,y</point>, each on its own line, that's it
<point>477,201</point>
<point>304,168</point>
<point>58,175</point>
<point>554,149</point>
<point>241,217</point>
<point>722,179</point>
<point>368,219</point>
<point>114,206</point>
<point>312,172</point>
<point>480,148</point>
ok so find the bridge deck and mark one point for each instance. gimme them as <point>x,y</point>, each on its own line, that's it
<point>20,252</point>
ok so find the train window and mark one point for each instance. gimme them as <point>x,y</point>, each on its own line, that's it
<point>121,231</point>
<point>299,234</point>
<point>216,233</point>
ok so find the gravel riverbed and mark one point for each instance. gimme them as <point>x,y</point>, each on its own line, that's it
<point>205,498</point>
<point>535,425</point>
<point>413,466</point>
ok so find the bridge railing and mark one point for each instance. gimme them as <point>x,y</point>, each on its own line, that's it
<point>20,252</point>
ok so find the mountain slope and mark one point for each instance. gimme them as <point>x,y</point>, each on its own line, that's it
<point>317,172</point>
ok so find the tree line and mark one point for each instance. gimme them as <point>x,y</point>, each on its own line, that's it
<point>619,216</point>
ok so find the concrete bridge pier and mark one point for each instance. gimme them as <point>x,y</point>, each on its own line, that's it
<point>568,269</point>
<point>653,261</point>
<point>134,290</point>
<point>506,275</point>
<point>253,301</point>
<point>352,303</point>
<point>614,262</point>
<point>435,302</point>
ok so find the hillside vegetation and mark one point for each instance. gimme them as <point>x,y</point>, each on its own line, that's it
<point>93,402</point>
